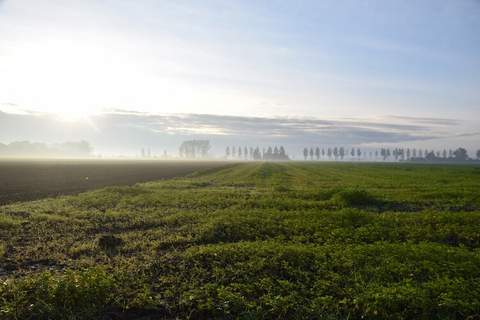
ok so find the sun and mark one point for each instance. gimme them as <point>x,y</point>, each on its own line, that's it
<point>72,117</point>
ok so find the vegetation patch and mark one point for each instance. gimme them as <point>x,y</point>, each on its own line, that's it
<point>110,243</point>
<point>251,241</point>
<point>355,198</point>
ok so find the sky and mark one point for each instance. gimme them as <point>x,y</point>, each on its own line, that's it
<point>348,63</point>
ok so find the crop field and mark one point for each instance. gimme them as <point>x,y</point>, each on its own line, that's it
<point>22,180</point>
<point>251,241</point>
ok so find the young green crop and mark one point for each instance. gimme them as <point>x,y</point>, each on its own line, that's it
<point>251,241</point>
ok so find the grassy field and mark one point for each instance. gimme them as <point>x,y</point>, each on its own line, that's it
<point>252,241</point>
<point>22,180</point>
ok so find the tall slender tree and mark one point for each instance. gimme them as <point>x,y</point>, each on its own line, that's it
<point>227,152</point>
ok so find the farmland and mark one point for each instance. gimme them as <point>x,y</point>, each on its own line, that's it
<point>251,241</point>
<point>34,179</point>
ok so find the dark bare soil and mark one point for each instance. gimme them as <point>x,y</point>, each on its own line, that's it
<point>22,180</point>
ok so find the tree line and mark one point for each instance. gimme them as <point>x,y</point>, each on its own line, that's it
<point>250,153</point>
<point>387,154</point>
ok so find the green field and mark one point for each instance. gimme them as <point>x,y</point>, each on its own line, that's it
<point>252,241</point>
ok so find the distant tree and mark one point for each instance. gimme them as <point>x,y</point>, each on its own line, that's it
<point>335,153</point>
<point>352,153</point>
<point>430,156</point>
<point>341,153</point>
<point>269,151</point>
<point>444,154</point>
<point>240,152</point>
<point>282,152</point>
<point>388,153</point>
<point>323,153</point>
<point>376,153</point>
<point>305,153</point>
<point>437,153</point>
<point>461,154</point>
<point>329,153</point>
<point>317,153</point>
<point>478,154</point>
<point>234,152</point>
<point>450,153</point>
<point>227,152</point>
<point>256,154</point>
<point>414,153</point>
<point>420,153</point>
<point>275,150</point>
<point>395,154</point>
<point>311,153</point>
<point>245,153</point>
<point>251,153</point>
<point>408,154</point>
<point>359,152</point>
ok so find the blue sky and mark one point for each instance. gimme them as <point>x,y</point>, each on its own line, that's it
<point>303,59</point>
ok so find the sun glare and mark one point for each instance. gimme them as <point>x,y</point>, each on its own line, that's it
<point>72,117</point>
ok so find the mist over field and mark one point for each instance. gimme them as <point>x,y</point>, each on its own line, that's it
<point>126,133</point>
